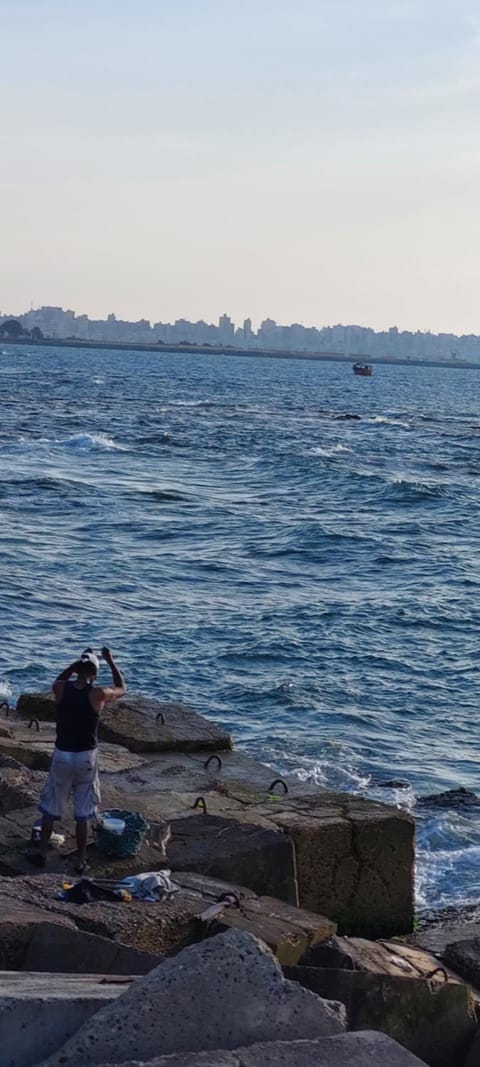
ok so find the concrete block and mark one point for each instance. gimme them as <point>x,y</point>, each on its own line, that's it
<point>38,1013</point>
<point>367,1049</point>
<point>261,858</point>
<point>226,992</point>
<point>125,937</point>
<point>58,948</point>
<point>132,721</point>
<point>464,958</point>
<point>354,861</point>
<point>19,787</point>
<point>435,1020</point>
<point>34,748</point>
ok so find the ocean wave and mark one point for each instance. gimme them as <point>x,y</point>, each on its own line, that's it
<point>5,691</point>
<point>331,451</point>
<point>407,490</point>
<point>387,420</point>
<point>85,442</point>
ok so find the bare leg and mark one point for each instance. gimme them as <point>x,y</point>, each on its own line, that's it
<point>81,827</point>
<point>46,833</point>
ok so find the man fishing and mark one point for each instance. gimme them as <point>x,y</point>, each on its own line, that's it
<point>74,766</point>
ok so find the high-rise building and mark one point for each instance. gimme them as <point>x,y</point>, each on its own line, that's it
<point>226,329</point>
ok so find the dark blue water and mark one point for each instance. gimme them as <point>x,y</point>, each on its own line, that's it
<point>308,578</point>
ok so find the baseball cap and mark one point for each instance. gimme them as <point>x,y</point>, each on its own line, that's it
<point>89,657</point>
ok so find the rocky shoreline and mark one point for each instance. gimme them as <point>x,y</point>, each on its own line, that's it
<point>269,873</point>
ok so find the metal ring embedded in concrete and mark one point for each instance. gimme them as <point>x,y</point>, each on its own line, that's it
<point>278,781</point>
<point>160,716</point>
<point>200,802</point>
<point>209,760</point>
<point>37,724</point>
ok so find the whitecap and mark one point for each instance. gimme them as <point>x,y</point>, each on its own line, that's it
<point>87,441</point>
<point>5,690</point>
<point>329,453</point>
<point>387,421</point>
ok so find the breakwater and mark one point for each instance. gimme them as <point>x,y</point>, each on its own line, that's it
<point>289,549</point>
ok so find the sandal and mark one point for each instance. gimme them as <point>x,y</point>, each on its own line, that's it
<point>80,868</point>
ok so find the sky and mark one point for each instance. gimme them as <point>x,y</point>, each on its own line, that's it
<point>314,161</point>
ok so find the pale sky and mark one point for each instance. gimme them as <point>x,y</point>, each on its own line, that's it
<point>314,161</point>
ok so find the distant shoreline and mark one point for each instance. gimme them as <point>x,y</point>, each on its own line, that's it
<point>225,350</point>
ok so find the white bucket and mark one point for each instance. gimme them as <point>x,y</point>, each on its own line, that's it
<point>115,826</point>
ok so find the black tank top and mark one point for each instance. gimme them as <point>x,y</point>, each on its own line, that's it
<point>77,722</point>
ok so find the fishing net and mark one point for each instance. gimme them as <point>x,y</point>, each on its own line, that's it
<point>125,844</point>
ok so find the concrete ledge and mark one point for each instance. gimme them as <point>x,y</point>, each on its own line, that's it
<point>39,1012</point>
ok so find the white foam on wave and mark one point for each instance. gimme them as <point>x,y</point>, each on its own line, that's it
<point>5,690</point>
<point>333,450</point>
<point>387,420</point>
<point>88,441</point>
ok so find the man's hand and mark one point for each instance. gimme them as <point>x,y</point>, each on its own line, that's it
<point>103,694</point>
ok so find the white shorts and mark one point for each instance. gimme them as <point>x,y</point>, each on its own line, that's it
<point>72,773</point>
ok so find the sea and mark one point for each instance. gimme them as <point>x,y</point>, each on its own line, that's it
<point>290,549</point>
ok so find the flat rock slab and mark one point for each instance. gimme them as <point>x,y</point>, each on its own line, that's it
<point>35,927</point>
<point>39,1012</point>
<point>187,1001</point>
<point>375,957</point>
<point>141,724</point>
<point>366,1049</point>
<point>233,775</point>
<point>34,749</point>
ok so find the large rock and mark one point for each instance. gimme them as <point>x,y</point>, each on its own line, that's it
<point>464,958</point>
<point>19,788</point>
<point>39,931</point>
<point>226,992</point>
<point>435,1020</point>
<point>38,1013</point>
<point>354,861</point>
<point>35,940</point>
<point>259,857</point>
<point>374,957</point>
<point>140,723</point>
<point>367,1049</point>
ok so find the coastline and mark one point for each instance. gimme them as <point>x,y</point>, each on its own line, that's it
<point>225,350</point>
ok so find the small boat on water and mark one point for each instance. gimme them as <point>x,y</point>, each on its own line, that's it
<point>362,368</point>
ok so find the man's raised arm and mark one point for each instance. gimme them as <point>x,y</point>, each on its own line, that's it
<point>119,688</point>
<point>64,677</point>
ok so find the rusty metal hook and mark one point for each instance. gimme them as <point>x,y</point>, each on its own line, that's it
<point>278,781</point>
<point>209,760</point>
<point>161,716</point>
<point>200,802</point>
<point>37,724</point>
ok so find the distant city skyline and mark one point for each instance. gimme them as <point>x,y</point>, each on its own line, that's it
<point>346,339</point>
<point>316,160</point>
